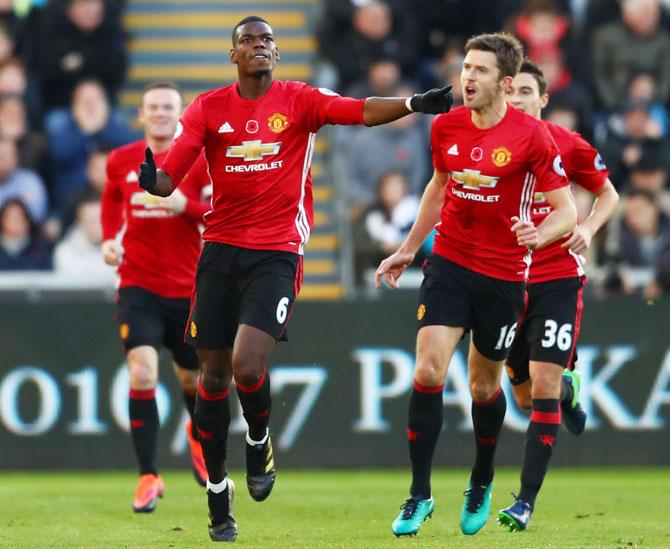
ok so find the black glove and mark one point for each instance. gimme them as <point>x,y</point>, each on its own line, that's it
<point>435,101</point>
<point>148,171</point>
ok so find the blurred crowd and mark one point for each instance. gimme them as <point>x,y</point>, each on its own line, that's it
<point>62,63</point>
<point>607,65</point>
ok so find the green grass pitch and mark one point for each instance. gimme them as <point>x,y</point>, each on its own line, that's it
<point>340,509</point>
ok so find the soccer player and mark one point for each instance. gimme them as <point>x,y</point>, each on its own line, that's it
<point>156,257</point>
<point>489,159</point>
<point>258,134</point>
<point>541,359</point>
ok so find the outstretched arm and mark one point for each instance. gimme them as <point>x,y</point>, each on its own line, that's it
<point>380,110</point>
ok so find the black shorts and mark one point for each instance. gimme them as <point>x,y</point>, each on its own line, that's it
<point>452,295</point>
<point>549,328</point>
<point>146,318</point>
<point>242,286</point>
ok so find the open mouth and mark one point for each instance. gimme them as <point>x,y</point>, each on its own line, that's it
<point>469,92</point>
<point>261,56</point>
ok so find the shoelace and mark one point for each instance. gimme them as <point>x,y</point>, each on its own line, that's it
<point>475,497</point>
<point>409,508</point>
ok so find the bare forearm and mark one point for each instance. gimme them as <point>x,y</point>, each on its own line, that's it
<point>380,110</point>
<point>558,223</point>
<point>603,208</point>
<point>429,214</point>
<point>164,186</point>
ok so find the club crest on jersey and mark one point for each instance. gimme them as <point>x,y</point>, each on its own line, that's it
<point>193,329</point>
<point>277,122</point>
<point>252,126</point>
<point>501,156</point>
<point>252,150</point>
<point>473,179</point>
<point>421,312</point>
<point>124,331</point>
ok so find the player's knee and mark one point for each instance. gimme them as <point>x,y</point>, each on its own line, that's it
<point>523,401</point>
<point>482,391</point>
<point>214,382</point>
<point>428,373</point>
<point>142,375</point>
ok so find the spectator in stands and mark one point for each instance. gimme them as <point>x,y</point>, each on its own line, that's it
<point>13,79</point>
<point>88,125</point>
<point>650,173</point>
<point>636,43</point>
<point>399,145</point>
<point>383,77</point>
<point>21,183</point>
<point>386,224</point>
<point>445,70</point>
<point>78,255</point>
<point>642,87</point>
<point>640,245</point>
<point>21,246</point>
<point>627,136</point>
<point>374,31</point>
<point>7,44</point>
<point>563,115</point>
<point>80,41</point>
<point>14,126</point>
<point>96,175</point>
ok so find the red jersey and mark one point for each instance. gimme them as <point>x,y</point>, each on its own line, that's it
<point>584,166</point>
<point>161,248</point>
<point>259,154</point>
<point>493,174</point>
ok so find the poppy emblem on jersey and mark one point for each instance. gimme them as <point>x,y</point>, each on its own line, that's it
<point>421,312</point>
<point>252,126</point>
<point>277,122</point>
<point>476,154</point>
<point>501,156</point>
<point>252,150</point>
<point>124,331</point>
<point>473,179</point>
<point>193,329</point>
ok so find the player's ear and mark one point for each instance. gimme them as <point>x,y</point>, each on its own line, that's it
<point>506,82</point>
<point>233,56</point>
<point>544,100</point>
<point>277,54</point>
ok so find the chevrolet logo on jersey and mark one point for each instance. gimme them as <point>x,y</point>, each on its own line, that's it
<point>252,150</point>
<point>473,179</point>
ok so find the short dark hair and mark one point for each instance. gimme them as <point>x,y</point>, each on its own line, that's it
<point>530,67</point>
<point>507,49</point>
<point>249,19</point>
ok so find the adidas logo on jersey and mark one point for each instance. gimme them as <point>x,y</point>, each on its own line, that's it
<point>132,177</point>
<point>453,150</point>
<point>226,128</point>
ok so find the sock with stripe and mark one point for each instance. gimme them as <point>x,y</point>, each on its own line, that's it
<point>212,416</point>
<point>425,424</point>
<point>189,400</point>
<point>143,414</point>
<point>256,404</point>
<point>540,438</point>
<point>487,420</point>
